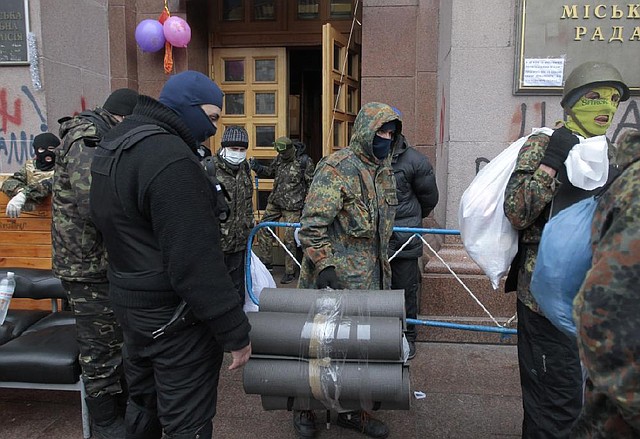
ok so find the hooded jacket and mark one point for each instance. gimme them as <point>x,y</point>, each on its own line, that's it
<point>78,252</point>
<point>157,212</point>
<point>417,196</point>
<point>348,216</point>
<point>607,310</point>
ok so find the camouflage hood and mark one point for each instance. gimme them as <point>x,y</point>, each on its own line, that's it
<point>90,125</point>
<point>628,150</point>
<point>370,118</point>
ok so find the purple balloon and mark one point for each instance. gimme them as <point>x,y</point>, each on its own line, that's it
<point>150,35</point>
<point>177,31</point>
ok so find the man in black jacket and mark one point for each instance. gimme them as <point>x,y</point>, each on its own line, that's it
<point>417,196</point>
<point>156,210</point>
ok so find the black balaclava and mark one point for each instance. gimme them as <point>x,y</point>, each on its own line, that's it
<point>184,93</point>
<point>45,142</point>
<point>380,145</point>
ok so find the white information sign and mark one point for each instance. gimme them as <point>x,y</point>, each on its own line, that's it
<point>543,72</point>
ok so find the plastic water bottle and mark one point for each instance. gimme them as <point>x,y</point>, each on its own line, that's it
<point>7,286</point>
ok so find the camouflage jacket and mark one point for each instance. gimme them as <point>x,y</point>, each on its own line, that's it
<point>77,247</point>
<point>291,180</point>
<point>237,184</point>
<point>527,202</point>
<point>35,184</point>
<point>348,216</point>
<point>607,307</point>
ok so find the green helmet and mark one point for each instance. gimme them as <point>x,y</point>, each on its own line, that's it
<point>587,75</point>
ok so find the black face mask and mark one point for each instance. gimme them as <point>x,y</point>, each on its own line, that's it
<point>41,163</point>
<point>381,147</point>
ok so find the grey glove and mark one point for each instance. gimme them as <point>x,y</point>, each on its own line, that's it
<point>15,205</point>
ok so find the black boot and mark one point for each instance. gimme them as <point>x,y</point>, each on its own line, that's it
<point>364,423</point>
<point>107,424</point>
<point>304,422</point>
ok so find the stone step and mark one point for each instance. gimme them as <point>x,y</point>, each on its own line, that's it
<point>444,298</point>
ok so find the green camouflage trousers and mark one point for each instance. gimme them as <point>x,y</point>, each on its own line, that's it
<point>265,239</point>
<point>99,337</point>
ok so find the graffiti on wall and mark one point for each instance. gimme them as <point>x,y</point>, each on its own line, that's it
<point>538,118</point>
<point>15,138</point>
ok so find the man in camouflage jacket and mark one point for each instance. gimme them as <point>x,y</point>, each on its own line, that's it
<point>347,222</point>
<point>32,184</point>
<point>80,260</point>
<point>233,173</point>
<point>292,172</point>
<point>550,372</point>
<point>607,307</point>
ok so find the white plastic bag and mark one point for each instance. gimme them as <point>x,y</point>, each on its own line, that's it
<point>588,164</point>
<point>487,235</point>
<point>260,278</point>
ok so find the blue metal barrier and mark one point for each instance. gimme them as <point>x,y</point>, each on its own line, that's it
<point>417,231</point>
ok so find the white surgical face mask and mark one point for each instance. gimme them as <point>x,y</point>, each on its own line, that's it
<point>233,157</point>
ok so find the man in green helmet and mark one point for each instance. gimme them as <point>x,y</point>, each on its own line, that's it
<point>550,372</point>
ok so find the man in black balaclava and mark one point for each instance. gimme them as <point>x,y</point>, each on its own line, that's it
<point>157,212</point>
<point>32,184</point>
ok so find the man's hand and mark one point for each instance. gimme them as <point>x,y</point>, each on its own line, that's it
<point>253,164</point>
<point>240,357</point>
<point>562,140</point>
<point>329,278</point>
<point>15,205</point>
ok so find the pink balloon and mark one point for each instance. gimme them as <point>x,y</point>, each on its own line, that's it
<point>150,35</point>
<point>177,31</point>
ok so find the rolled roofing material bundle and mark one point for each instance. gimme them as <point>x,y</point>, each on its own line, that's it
<point>347,337</point>
<point>331,349</point>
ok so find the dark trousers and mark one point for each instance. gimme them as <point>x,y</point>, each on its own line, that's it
<point>550,376</point>
<point>235,266</point>
<point>265,240</point>
<point>172,380</point>
<point>99,337</point>
<point>405,275</point>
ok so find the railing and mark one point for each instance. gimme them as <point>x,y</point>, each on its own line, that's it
<point>417,232</point>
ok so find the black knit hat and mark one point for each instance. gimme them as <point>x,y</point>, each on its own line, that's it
<point>121,102</point>
<point>45,140</point>
<point>235,136</point>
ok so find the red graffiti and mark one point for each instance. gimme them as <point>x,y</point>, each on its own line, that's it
<point>83,106</point>
<point>16,117</point>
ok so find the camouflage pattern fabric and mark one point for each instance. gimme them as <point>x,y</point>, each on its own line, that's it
<point>290,181</point>
<point>78,250</point>
<point>607,307</point>
<point>35,184</point>
<point>265,239</point>
<point>99,337</point>
<point>348,216</point>
<point>527,201</point>
<point>237,183</point>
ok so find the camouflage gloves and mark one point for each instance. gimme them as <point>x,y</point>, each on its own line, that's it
<point>253,164</point>
<point>328,278</point>
<point>562,140</point>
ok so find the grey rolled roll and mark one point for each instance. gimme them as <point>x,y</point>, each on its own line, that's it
<point>374,303</point>
<point>320,336</point>
<point>326,381</point>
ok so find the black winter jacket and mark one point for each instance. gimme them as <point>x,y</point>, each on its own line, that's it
<point>157,213</point>
<point>417,196</point>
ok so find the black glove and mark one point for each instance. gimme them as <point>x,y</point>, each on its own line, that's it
<point>562,140</point>
<point>329,278</point>
<point>253,164</point>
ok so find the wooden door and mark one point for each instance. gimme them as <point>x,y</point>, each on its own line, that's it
<point>254,81</point>
<point>340,88</point>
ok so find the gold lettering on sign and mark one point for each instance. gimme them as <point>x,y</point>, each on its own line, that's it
<point>636,34</point>
<point>616,13</point>
<point>616,34</point>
